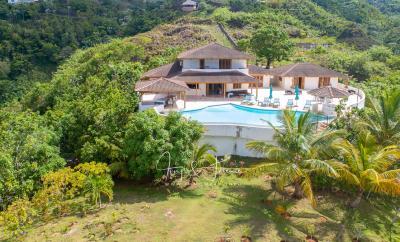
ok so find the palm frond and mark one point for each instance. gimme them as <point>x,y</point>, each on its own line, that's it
<point>392,174</point>
<point>306,187</point>
<point>389,187</point>
<point>320,166</point>
<point>385,158</point>
<point>259,169</point>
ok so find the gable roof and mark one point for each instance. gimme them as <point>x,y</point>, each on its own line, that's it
<point>214,51</point>
<point>305,69</point>
<point>329,92</point>
<point>161,85</point>
<point>254,70</point>
<point>168,70</point>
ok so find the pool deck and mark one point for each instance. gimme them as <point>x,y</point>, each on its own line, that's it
<point>196,102</point>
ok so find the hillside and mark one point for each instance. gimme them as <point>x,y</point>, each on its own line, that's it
<point>36,38</point>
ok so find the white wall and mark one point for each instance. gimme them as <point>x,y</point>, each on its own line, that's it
<point>232,139</point>
<point>189,8</point>
<point>287,82</point>
<point>213,65</point>
<point>267,80</point>
<point>311,83</point>
<point>150,97</point>
<point>334,82</point>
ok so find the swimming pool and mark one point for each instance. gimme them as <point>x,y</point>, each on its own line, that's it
<point>236,114</point>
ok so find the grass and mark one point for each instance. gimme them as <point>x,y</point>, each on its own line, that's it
<point>230,207</point>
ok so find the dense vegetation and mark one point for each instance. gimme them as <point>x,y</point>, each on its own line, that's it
<point>54,125</point>
<point>36,38</point>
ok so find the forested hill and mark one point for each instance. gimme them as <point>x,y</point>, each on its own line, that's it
<point>36,38</point>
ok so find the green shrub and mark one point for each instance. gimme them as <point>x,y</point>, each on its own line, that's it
<point>149,137</point>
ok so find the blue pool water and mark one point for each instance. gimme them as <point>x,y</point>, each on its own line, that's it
<point>236,114</point>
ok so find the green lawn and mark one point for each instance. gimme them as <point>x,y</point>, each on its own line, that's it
<point>232,207</point>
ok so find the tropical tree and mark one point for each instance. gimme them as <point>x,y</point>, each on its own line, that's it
<point>367,166</point>
<point>201,156</point>
<point>96,186</point>
<point>271,43</point>
<point>383,119</point>
<point>297,153</point>
<point>98,181</point>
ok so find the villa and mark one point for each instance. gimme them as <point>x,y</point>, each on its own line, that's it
<point>232,98</point>
<point>215,72</point>
<point>189,6</point>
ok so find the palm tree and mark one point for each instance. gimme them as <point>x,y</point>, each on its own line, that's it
<point>296,155</point>
<point>201,156</point>
<point>98,185</point>
<point>368,166</point>
<point>384,120</point>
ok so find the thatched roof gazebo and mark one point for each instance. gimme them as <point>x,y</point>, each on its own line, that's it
<point>329,92</point>
<point>163,85</point>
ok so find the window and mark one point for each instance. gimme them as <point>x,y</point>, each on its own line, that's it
<point>324,81</point>
<point>201,63</point>
<point>225,64</point>
<point>237,85</point>
<point>193,85</point>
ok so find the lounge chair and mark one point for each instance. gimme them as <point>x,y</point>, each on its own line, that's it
<point>276,103</point>
<point>246,99</point>
<point>265,103</point>
<point>307,106</point>
<point>290,103</point>
<point>252,100</point>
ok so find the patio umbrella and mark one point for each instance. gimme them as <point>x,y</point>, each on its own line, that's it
<point>296,93</point>
<point>270,91</point>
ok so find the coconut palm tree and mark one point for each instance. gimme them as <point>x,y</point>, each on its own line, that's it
<point>99,185</point>
<point>201,156</point>
<point>297,153</point>
<point>367,166</point>
<point>383,121</point>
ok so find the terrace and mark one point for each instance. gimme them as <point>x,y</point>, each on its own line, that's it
<point>322,105</point>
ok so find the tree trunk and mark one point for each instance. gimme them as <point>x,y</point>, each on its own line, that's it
<point>357,201</point>
<point>298,192</point>
<point>268,64</point>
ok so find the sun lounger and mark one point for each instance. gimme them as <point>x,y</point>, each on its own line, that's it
<point>252,101</point>
<point>276,103</point>
<point>307,106</point>
<point>265,103</point>
<point>246,99</point>
<point>290,103</point>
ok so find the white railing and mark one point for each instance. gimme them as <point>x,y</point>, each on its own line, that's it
<point>359,102</point>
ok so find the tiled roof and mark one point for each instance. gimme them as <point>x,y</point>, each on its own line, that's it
<point>253,69</point>
<point>214,51</point>
<point>161,85</point>
<point>164,71</point>
<point>189,3</point>
<point>306,70</point>
<point>215,77</point>
<point>329,92</point>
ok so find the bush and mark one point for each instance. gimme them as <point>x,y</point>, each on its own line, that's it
<point>63,192</point>
<point>150,136</point>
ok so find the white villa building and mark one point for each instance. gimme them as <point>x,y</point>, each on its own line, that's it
<point>217,71</point>
<point>189,6</point>
<point>21,1</point>
<point>211,84</point>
